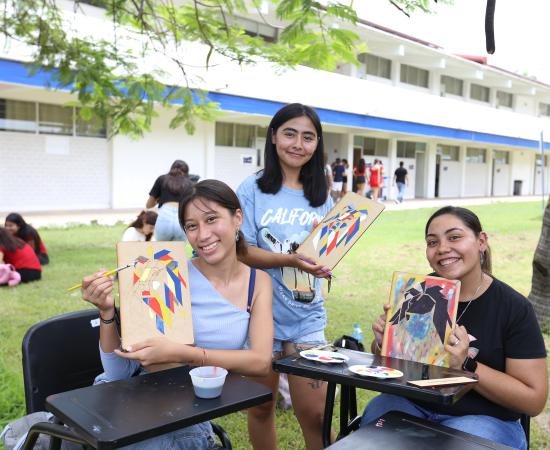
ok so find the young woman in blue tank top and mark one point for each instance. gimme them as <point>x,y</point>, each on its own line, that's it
<point>281,204</point>
<point>231,307</point>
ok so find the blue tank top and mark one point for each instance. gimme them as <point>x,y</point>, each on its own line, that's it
<point>217,323</point>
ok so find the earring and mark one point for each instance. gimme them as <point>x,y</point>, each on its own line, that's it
<point>481,258</point>
<point>237,237</point>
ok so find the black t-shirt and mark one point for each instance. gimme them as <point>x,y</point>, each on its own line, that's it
<point>400,174</point>
<point>339,173</point>
<point>163,194</point>
<point>505,326</point>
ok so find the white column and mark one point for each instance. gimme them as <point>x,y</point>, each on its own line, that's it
<point>489,172</point>
<point>348,144</point>
<point>462,159</point>
<point>209,133</point>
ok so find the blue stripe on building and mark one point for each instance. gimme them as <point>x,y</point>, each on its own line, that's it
<point>17,72</point>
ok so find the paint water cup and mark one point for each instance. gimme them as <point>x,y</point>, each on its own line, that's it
<point>208,381</point>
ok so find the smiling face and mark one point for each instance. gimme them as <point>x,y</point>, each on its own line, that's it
<point>453,249</point>
<point>295,141</point>
<point>211,229</point>
<point>11,227</point>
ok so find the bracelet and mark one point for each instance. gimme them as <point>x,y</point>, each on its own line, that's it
<point>204,357</point>
<point>108,321</point>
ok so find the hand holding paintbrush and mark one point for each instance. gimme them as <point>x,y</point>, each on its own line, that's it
<point>110,272</point>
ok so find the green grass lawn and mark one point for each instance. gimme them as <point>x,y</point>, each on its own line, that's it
<point>394,242</point>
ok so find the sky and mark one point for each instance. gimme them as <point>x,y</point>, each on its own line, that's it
<point>521,30</point>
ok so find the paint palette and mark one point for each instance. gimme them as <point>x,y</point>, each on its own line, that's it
<point>375,371</point>
<point>323,356</point>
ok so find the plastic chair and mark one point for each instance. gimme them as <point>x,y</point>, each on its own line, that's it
<point>61,354</point>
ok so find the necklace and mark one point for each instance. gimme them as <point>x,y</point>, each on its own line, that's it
<point>471,300</point>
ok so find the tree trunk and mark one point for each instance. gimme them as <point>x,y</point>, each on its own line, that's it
<point>540,284</point>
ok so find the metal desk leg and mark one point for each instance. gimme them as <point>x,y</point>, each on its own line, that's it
<point>327,419</point>
<point>344,410</point>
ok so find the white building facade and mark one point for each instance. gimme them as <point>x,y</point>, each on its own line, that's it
<point>462,128</point>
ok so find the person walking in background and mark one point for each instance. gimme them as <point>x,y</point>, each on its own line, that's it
<point>17,227</point>
<point>401,179</point>
<point>344,178</point>
<point>375,179</point>
<point>338,179</point>
<point>20,255</point>
<point>142,228</point>
<point>360,172</point>
<point>167,192</point>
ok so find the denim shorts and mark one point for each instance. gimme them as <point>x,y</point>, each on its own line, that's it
<point>302,342</point>
<point>168,227</point>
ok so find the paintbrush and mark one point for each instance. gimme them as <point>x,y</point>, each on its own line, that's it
<point>106,274</point>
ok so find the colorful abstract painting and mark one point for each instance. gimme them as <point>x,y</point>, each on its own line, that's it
<point>340,229</point>
<point>154,295</point>
<point>421,317</point>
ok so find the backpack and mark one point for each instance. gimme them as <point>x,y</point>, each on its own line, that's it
<point>349,342</point>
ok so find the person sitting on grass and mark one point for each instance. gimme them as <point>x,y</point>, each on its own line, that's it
<point>142,228</point>
<point>232,319</point>
<point>17,226</point>
<point>496,336</point>
<point>20,255</point>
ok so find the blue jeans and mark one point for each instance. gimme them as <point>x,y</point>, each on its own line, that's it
<point>168,227</point>
<point>307,341</point>
<point>400,191</point>
<point>195,437</point>
<point>504,432</point>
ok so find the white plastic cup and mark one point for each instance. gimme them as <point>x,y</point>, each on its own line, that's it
<point>208,381</point>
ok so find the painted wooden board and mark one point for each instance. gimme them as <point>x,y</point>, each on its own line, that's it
<point>340,229</point>
<point>421,317</point>
<point>154,294</point>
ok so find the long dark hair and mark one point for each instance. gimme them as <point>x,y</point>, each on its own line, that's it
<point>217,192</point>
<point>145,217</point>
<point>361,165</point>
<point>469,219</point>
<point>177,179</point>
<point>9,242</point>
<point>312,175</point>
<point>25,231</point>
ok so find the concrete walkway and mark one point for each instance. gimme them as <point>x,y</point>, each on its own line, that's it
<point>112,216</point>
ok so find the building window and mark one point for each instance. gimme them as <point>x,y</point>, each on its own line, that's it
<point>372,146</point>
<point>480,93</point>
<point>414,75</point>
<point>448,152</point>
<point>500,157</point>
<point>451,85</point>
<point>95,127</point>
<point>544,109</point>
<point>476,155</point>
<point>505,99</point>
<point>539,159</point>
<point>408,149</point>
<point>267,32</point>
<point>244,135</point>
<point>55,119</point>
<point>376,65</point>
<point>235,135</point>
<point>17,116</point>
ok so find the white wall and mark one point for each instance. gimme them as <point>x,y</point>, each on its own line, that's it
<point>230,167</point>
<point>522,165</point>
<point>137,163</point>
<point>42,172</point>
<point>450,174</point>
<point>475,180</point>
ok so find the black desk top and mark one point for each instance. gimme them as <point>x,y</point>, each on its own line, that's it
<point>123,412</point>
<point>399,431</point>
<point>339,373</point>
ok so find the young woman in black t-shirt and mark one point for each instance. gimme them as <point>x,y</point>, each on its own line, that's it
<point>497,336</point>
